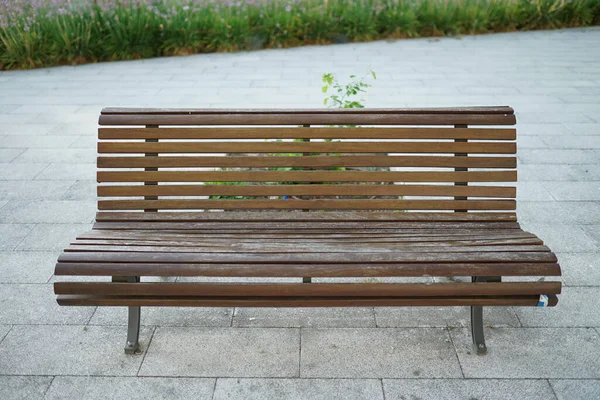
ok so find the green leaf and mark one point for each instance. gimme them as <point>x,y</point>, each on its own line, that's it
<point>324,89</point>
<point>373,74</point>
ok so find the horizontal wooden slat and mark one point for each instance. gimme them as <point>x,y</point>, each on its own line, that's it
<point>79,300</point>
<point>305,176</point>
<point>318,204</point>
<point>308,133</point>
<point>307,119</point>
<point>309,290</point>
<point>250,258</point>
<point>309,161</point>
<point>343,111</point>
<point>301,190</point>
<point>290,270</point>
<point>307,147</point>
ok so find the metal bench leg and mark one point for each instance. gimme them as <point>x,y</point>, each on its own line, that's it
<point>477,330</point>
<point>132,345</point>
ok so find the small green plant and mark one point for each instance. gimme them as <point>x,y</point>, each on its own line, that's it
<point>344,96</point>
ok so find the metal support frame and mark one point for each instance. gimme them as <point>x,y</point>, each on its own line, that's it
<point>477,318</point>
<point>132,344</point>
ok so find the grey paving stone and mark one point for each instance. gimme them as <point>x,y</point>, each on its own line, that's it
<point>558,174</point>
<point>576,389</point>
<point>544,118</point>
<point>580,269</point>
<point>531,353</point>
<point>34,190</point>
<point>48,211</point>
<point>531,142</point>
<point>576,191</point>
<point>36,304</point>
<point>52,236</point>
<point>80,172</point>
<point>573,142</point>
<point>558,156</point>
<point>304,317</point>
<point>418,317</point>
<point>378,353</point>
<point>43,142</point>
<point>24,387</point>
<point>593,231</point>
<point>101,388</point>
<point>4,329</point>
<point>85,142</point>
<point>8,155</point>
<point>165,316</point>
<point>560,212</point>
<point>12,234</point>
<point>21,129</point>
<point>46,109</point>
<point>297,389</point>
<point>69,350</point>
<point>584,129</point>
<point>64,156</point>
<point>577,307</point>
<point>26,266</point>
<point>567,238</point>
<point>466,389</point>
<point>223,352</point>
<point>81,190</point>
<point>533,191</point>
<point>10,171</point>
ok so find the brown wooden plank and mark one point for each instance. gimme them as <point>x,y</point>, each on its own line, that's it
<point>292,216</point>
<point>335,258</point>
<point>307,147</point>
<point>301,190</point>
<point>310,290</point>
<point>309,133</point>
<point>78,300</point>
<point>305,176</point>
<point>311,161</point>
<point>290,270</point>
<point>314,204</point>
<point>344,111</point>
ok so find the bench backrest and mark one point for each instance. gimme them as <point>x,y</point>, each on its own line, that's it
<point>455,159</point>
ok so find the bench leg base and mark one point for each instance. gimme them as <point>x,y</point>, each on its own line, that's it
<point>132,345</point>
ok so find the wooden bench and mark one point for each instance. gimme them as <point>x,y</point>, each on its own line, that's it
<point>450,212</point>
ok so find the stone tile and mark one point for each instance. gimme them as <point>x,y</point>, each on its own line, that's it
<point>378,353</point>
<point>4,329</point>
<point>304,317</point>
<point>453,389</point>
<point>296,389</point>
<point>584,129</point>
<point>64,156</point>
<point>564,212</point>
<point>545,118</point>
<point>531,142</point>
<point>533,191</point>
<point>567,238</point>
<point>26,266</point>
<point>576,191</point>
<point>82,190</point>
<point>34,190</point>
<point>101,388</point>
<point>20,129</point>
<point>593,231</point>
<point>52,236</point>
<point>165,316</point>
<point>48,211</point>
<point>557,174</point>
<point>36,304</point>
<point>419,317</point>
<point>573,142</point>
<point>580,269</point>
<point>558,156</point>
<point>24,387</point>
<point>531,353</point>
<point>12,234</point>
<point>42,142</point>
<point>69,350</point>
<point>579,389</point>
<point>8,155</point>
<point>223,352</point>
<point>577,307</point>
<point>3,203</point>
<point>46,109</point>
<point>85,142</point>
<point>80,172</point>
<point>17,172</point>
<point>75,129</point>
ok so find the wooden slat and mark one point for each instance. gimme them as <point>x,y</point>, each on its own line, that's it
<point>305,176</point>
<point>301,190</point>
<point>311,161</point>
<point>345,216</point>
<point>309,133</point>
<point>307,147</point>
<point>307,119</point>
<point>344,111</point>
<point>309,290</point>
<point>290,270</point>
<point>312,204</point>
<point>250,258</point>
<point>78,300</point>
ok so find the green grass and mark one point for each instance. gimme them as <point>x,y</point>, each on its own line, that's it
<point>42,33</point>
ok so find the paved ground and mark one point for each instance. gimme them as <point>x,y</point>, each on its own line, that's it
<point>47,140</point>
